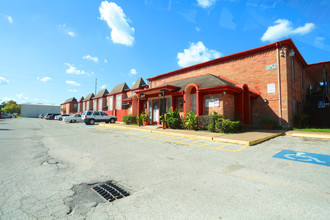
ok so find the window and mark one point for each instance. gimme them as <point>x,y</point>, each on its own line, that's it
<point>118,102</point>
<point>78,110</point>
<point>292,69</point>
<point>94,105</point>
<point>103,113</point>
<point>100,104</point>
<point>110,103</point>
<point>84,106</point>
<point>96,113</point>
<point>168,104</point>
<point>294,106</point>
<point>87,105</point>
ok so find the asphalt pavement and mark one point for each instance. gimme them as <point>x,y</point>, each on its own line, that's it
<point>48,169</point>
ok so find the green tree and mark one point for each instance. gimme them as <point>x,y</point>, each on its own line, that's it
<point>10,107</point>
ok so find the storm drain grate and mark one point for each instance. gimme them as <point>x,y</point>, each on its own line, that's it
<point>110,192</point>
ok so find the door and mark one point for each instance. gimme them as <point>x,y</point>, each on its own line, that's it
<point>155,112</point>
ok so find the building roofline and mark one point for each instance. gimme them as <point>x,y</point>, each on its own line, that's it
<point>234,56</point>
<point>320,63</point>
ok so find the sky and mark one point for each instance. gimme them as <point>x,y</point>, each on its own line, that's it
<point>54,50</point>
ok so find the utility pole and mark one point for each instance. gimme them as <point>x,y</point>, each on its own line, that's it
<point>95,85</point>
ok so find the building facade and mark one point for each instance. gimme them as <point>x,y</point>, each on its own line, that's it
<point>269,82</point>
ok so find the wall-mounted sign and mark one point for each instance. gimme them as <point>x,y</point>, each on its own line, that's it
<point>212,102</point>
<point>271,88</point>
<point>270,67</point>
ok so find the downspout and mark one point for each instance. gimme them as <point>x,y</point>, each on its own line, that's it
<point>279,85</point>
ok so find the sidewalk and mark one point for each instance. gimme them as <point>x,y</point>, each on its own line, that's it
<point>324,135</point>
<point>246,138</point>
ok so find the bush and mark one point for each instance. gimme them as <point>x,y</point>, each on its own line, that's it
<point>228,126</point>
<point>173,119</point>
<point>129,119</point>
<point>301,121</point>
<point>144,117</point>
<point>190,122</point>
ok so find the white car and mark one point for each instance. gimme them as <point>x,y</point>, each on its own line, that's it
<point>60,117</point>
<point>73,118</point>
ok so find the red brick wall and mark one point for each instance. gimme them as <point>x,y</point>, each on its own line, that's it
<point>210,110</point>
<point>229,107</point>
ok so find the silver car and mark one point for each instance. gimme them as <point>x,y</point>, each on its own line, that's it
<point>73,118</point>
<point>60,117</point>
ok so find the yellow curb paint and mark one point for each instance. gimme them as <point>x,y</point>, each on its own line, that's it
<point>323,136</point>
<point>264,139</point>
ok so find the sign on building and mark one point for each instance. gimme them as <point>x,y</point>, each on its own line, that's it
<point>271,88</point>
<point>270,67</point>
<point>212,102</point>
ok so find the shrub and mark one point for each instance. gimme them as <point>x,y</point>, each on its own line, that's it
<point>173,119</point>
<point>302,121</point>
<point>190,122</point>
<point>129,119</point>
<point>144,117</point>
<point>228,126</point>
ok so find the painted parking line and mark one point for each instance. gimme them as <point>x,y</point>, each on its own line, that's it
<point>189,141</point>
<point>319,159</point>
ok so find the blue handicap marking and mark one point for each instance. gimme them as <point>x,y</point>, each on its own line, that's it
<point>320,159</point>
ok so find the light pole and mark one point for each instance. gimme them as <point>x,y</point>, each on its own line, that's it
<point>164,105</point>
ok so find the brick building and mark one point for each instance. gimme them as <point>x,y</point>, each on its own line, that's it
<point>269,82</point>
<point>69,106</point>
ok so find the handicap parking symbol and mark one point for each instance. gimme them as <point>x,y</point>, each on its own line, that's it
<point>305,157</point>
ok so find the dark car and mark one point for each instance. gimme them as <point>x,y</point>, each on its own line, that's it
<point>0,115</point>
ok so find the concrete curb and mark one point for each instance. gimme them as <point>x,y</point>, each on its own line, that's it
<point>309,135</point>
<point>232,141</point>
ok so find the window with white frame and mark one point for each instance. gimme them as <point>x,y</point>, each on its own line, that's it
<point>87,105</point>
<point>110,103</point>
<point>100,104</point>
<point>118,102</point>
<point>78,110</point>
<point>84,106</point>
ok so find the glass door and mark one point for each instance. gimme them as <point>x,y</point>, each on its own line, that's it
<point>155,112</point>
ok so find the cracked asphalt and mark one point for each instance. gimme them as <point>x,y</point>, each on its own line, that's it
<point>48,169</point>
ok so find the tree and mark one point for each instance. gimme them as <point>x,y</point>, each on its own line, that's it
<point>10,107</point>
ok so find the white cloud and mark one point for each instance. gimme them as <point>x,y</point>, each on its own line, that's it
<point>283,28</point>
<point>133,83</point>
<point>20,95</point>
<point>89,57</point>
<point>205,3</point>
<point>132,72</point>
<point>319,42</point>
<point>72,90</point>
<point>44,79</point>
<point>73,70</point>
<point>196,53</point>
<point>3,81</point>
<point>121,32</point>
<point>72,83</point>
<point>9,18</point>
<point>198,29</point>
<point>103,86</point>
<point>66,30</point>
<point>6,99</point>
<point>105,60</point>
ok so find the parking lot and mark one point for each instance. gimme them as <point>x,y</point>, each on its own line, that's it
<point>49,167</point>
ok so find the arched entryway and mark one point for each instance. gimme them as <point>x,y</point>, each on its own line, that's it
<point>135,105</point>
<point>191,97</point>
<point>246,105</point>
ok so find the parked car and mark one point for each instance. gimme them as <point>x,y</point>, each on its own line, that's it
<point>90,117</point>
<point>41,116</point>
<point>5,115</point>
<point>60,117</point>
<point>50,116</point>
<point>0,115</point>
<point>73,118</point>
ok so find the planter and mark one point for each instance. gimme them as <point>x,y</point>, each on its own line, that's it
<point>145,123</point>
<point>165,125</point>
<point>268,127</point>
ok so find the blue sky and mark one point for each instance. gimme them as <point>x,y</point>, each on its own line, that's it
<point>53,50</point>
